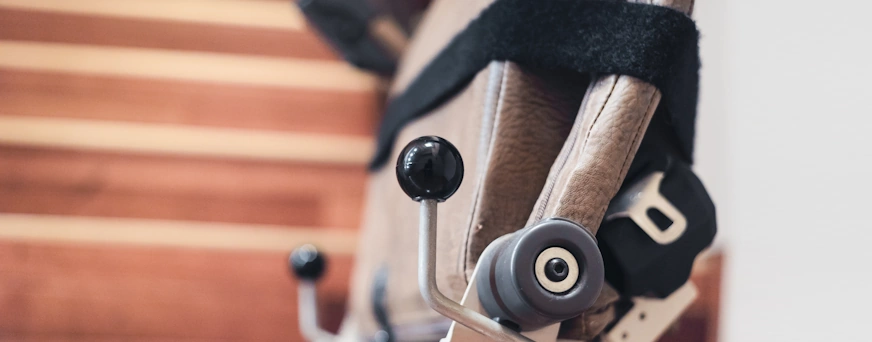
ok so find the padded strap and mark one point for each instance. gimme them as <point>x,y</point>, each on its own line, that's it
<point>653,43</point>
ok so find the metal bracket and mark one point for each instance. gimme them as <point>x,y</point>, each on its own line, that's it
<point>460,333</point>
<point>650,317</point>
<point>638,199</point>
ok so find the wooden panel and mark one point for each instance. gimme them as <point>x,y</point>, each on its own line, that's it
<point>159,159</point>
<point>700,321</point>
<point>164,233</point>
<point>40,181</point>
<point>102,338</point>
<point>46,94</point>
<point>92,292</point>
<point>32,199</point>
<point>709,278</point>
<point>260,13</point>
<point>58,27</point>
<point>190,66</point>
<point>184,140</point>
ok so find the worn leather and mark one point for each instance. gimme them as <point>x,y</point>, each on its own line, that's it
<point>509,125</point>
<point>591,167</point>
<point>389,231</point>
<point>535,144</point>
<point>390,228</point>
<point>593,163</point>
<point>534,116</point>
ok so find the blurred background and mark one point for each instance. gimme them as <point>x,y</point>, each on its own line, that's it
<point>159,159</point>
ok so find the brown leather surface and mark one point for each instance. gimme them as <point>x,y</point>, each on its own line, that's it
<point>610,126</point>
<point>591,168</point>
<point>389,233</point>
<point>530,153</point>
<point>509,126</point>
<point>595,158</point>
<point>390,228</point>
<point>533,118</point>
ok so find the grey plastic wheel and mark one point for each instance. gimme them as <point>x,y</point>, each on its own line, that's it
<point>542,274</point>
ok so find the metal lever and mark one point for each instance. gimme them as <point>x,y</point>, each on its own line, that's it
<point>430,170</point>
<point>308,265</point>
<point>438,301</point>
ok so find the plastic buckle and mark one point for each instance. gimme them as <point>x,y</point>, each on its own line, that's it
<point>644,258</point>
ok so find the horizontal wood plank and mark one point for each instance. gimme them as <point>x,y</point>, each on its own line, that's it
<point>162,233</point>
<point>67,182</point>
<point>184,65</point>
<point>158,161</point>
<point>48,94</point>
<point>258,13</point>
<point>64,337</point>
<point>298,210</point>
<point>74,28</point>
<point>94,292</point>
<point>184,140</point>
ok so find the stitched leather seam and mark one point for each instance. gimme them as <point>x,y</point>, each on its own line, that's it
<point>629,157</point>
<point>599,112</point>
<point>563,158</point>
<point>554,175</point>
<point>587,136</point>
<point>471,226</point>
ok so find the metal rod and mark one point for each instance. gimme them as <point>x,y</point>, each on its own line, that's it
<point>308,311</point>
<point>438,301</point>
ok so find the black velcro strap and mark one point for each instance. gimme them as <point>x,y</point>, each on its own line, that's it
<point>653,43</point>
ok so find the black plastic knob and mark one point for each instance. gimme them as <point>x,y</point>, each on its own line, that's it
<point>307,263</point>
<point>430,168</point>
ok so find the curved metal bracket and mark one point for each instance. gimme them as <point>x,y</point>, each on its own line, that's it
<point>438,301</point>
<point>471,300</point>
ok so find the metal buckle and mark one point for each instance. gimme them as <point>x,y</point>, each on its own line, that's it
<point>643,196</point>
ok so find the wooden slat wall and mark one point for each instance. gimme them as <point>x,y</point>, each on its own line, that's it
<point>87,292</point>
<point>60,27</point>
<point>158,160</point>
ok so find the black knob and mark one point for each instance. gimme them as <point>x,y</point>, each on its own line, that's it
<point>430,168</point>
<point>307,263</point>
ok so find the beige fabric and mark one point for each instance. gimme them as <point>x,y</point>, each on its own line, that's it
<point>535,145</point>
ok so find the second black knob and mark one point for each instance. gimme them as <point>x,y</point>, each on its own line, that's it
<point>307,263</point>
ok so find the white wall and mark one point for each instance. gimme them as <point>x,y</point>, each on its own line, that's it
<point>785,147</point>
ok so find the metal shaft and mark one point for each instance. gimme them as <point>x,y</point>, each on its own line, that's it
<point>308,312</point>
<point>435,298</point>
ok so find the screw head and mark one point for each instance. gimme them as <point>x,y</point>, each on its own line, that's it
<point>556,269</point>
